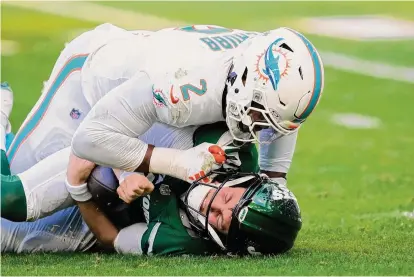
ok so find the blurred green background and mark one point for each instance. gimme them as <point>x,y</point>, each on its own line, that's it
<point>354,181</point>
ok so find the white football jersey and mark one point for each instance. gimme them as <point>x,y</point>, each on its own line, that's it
<point>175,76</point>
<point>188,67</point>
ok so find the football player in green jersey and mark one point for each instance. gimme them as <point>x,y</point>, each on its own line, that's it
<point>243,211</point>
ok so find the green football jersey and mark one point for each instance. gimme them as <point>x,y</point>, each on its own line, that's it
<point>169,231</point>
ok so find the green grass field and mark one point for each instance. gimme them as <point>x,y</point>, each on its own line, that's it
<point>352,184</point>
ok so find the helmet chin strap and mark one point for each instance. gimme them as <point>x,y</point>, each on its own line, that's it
<point>212,232</point>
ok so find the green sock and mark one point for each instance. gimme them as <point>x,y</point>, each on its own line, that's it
<point>13,198</point>
<point>5,167</point>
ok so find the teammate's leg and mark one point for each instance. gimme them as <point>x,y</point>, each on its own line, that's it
<point>52,122</point>
<point>61,107</point>
<point>64,231</point>
<point>38,191</point>
<point>13,199</point>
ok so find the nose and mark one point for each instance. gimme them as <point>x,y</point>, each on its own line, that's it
<point>256,116</point>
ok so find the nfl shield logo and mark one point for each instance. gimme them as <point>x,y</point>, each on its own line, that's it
<point>75,114</point>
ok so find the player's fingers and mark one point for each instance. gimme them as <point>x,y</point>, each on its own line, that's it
<point>122,194</point>
<point>138,191</point>
<point>131,189</point>
<point>219,158</point>
<point>119,191</point>
<point>129,199</point>
<point>215,149</point>
<point>149,189</point>
<point>145,187</point>
<point>128,195</point>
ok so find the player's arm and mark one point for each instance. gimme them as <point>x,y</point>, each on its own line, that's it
<point>275,158</point>
<point>124,241</point>
<point>108,136</point>
<point>99,224</point>
<point>77,175</point>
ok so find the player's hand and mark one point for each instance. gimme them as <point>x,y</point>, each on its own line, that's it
<point>78,170</point>
<point>190,164</point>
<point>77,173</point>
<point>134,186</point>
<point>202,159</point>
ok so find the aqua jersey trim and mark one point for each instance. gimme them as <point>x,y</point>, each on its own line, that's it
<point>73,64</point>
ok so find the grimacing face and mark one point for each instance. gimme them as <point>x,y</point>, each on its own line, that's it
<point>222,207</point>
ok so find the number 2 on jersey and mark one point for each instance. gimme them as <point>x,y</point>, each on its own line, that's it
<point>197,90</point>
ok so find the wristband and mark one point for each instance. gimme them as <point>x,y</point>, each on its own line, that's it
<point>78,193</point>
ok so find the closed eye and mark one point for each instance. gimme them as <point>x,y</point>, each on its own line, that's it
<point>227,198</point>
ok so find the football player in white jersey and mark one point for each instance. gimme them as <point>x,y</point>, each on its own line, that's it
<point>72,89</point>
<point>84,79</point>
<point>272,81</point>
<point>90,66</point>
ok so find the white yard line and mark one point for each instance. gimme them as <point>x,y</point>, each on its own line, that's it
<point>368,68</point>
<point>135,20</point>
<point>356,121</point>
<point>98,13</point>
<point>394,214</point>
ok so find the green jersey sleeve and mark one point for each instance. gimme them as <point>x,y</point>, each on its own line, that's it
<point>162,239</point>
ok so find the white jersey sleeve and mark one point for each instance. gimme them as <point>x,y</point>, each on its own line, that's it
<point>128,240</point>
<point>277,156</point>
<point>108,134</point>
<point>163,135</point>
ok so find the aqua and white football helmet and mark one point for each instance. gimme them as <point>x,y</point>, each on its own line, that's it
<point>280,75</point>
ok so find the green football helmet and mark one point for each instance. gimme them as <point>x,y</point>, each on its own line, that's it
<point>266,219</point>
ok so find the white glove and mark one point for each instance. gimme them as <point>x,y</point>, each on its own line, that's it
<point>188,165</point>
